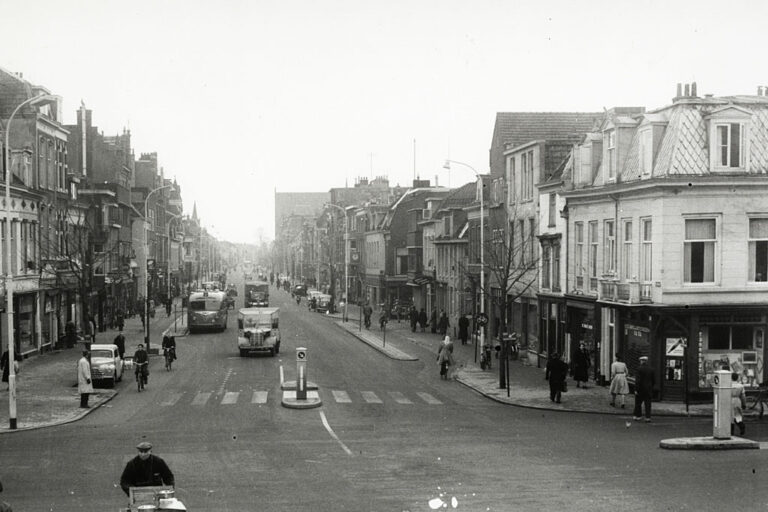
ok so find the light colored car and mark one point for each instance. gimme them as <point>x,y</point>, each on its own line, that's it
<point>106,365</point>
<point>258,330</point>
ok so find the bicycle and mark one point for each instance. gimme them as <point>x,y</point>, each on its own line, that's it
<point>761,399</point>
<point>169,355</point>
<point>485,358</point>
<point>141,375</point>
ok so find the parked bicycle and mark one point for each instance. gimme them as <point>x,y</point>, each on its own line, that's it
<point>759,399</point>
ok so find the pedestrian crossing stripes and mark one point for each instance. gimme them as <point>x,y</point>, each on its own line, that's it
<point>259,397</point>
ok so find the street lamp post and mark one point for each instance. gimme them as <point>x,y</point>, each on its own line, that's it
<point>146,264</point>
<point>168,267</point>
<point>482,249</point>
<point>37,100</point>
<point>346,258</point>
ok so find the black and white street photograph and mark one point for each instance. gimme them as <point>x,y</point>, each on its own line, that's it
<point>367,256</point>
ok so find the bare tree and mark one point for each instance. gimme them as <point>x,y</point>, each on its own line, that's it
<point>511,264</point>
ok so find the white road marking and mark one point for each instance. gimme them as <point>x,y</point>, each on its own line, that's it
<point>341,397</point>
<point>259,397</point>
<point>333,434</point>
<point>171,399</point>
<point>429,399</point>
<point>370,397</point>
<point>230,397</point>
<point>400,398</point>
<point>282,376</point>
<point>201,399</point>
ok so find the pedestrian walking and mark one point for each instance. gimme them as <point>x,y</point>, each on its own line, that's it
<point>6,367</point>
<point>423,319</point>
<point>367,312</point>
<point>463,329</point>
<point>433,321</point>
<point>120,342</point>
<point>168,306</point>
<point>445,357</point>
<point>119,320</point>
<point>581,364</point>
<point>84,386</point>
<point>556,373</point>
<point>443,324</point>
<point>643,390</point>
<point>70,333</point>
<point>619,384</point>
<point>414,318</point>
<point>383,317</point>
<point>739,403</point>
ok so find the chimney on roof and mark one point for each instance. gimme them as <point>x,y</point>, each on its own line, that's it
<point>679,90</point>
<point>693,89</point>
<point>759,90</point>
<point>687,90</point>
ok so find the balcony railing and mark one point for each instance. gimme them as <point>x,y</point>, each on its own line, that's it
<point>630,292</point>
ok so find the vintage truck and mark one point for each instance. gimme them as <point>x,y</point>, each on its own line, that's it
<point>258,330</point>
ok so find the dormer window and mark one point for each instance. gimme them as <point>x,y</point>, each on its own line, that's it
<point>728,139</point>
<point>729,145</point>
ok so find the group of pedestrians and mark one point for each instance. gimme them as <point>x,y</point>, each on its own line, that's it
<point>619,387</point>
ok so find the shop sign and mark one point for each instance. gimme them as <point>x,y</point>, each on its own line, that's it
<point>675,347</point>
<point>587,326</point>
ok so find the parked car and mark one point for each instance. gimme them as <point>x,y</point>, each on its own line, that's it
<point>106,365</point>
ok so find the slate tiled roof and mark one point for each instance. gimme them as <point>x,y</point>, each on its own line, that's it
<point>516,128</point>
<point>460,197</point>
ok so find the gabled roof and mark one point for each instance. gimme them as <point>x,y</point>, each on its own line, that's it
<point>459,197</point>
<point>517,128</point>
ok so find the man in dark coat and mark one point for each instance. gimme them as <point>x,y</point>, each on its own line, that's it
<point>120,342</point>
<point>556,373</point>
<point>581,364</point>
<point>443,324</point>
<point>422,319</point>
<point>643,390</point>
<point>433,321</point>
<point>145,470</point>
<point>70,333</point>
<point>463,329</point>
<point>414,317</point>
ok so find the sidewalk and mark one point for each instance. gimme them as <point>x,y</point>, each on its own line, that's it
<point>46,386</point>
<point>527,386</point>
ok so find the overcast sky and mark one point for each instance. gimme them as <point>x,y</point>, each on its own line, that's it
<point>242,98</point>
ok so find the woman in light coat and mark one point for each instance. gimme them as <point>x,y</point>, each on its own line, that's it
<point>619,384</point>
<point>739,403</point>
<point>445,357</point>
<point>84,386</point>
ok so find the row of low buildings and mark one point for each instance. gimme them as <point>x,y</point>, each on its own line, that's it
<point>632,231</point>
<point>91,226</point>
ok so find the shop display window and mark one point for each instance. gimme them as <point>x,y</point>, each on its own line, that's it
<point>737,348</point>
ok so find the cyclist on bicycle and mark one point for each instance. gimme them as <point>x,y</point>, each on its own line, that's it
<point>169,344</point>
<point>141,361</point>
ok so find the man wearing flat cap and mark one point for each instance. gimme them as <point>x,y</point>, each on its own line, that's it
<point>643,390</point>
<point>145,470</point>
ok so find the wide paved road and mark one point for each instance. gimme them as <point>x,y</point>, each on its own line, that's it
<point>390,436</point>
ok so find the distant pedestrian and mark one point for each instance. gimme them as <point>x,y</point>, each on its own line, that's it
<point>90,332</point>
<point>739,403</point>
<point>119,320</point>
<point>414,318</point>
<point>581,364</point>
<point>423,319</point>
<point>70,333</point>
<point>445,357</point>
<point>643,389</point>
<point>367,312</point>
<point>6,367</point>
<point>463,329</point>
<point>383,317</point>
<point>443,324</point>
<point>556,373</point>
<point>120,342</point>
<point>168,306</point>
<point>619,384</point>
<point>433,321</point>
<point>84,386</point>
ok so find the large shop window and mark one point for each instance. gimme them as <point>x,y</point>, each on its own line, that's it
<point>732,346</point>
<point>700,238</point>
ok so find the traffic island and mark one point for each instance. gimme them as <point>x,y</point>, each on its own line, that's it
<point>310,402</point>
<point>291,385</point>
<point>709,443</point>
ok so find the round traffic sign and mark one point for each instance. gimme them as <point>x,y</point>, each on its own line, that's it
<point>301,355</point>
<point>482,319</point>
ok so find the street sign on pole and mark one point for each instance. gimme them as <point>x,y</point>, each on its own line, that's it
<point>482,319</point>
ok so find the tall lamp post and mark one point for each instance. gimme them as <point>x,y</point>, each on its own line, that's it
<point>36,100</point>
<point>146,264</point>
<point>346,257</point>
<point>482,248</point>
<point>168,268</point>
